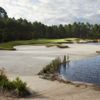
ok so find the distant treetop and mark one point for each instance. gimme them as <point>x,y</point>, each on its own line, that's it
<point>3,13</point>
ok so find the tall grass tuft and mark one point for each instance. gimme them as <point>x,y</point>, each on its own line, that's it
<point>52,67</point>
<point>51,70</point>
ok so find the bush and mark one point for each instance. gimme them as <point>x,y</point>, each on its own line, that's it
<point>15,88</point>
<point>3,81</point>
<point>20,87</point>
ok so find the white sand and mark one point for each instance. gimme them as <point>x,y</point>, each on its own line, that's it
<point>29,60</point>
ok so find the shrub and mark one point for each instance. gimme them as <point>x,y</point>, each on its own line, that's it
<point>3,81</point>
<point>20,87</point>
<point>15,88</point>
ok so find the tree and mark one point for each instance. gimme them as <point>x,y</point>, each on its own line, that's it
<point>21,29</point>
<point>3,13</point>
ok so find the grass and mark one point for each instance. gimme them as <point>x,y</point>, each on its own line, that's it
<point>15,88</point>
<point>10,45</point>
<point>62,46</point>
<point>52,67</point>
<point>51,70</point>
<point>57,45</point>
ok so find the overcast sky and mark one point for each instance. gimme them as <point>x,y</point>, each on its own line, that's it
<point>54,11</point>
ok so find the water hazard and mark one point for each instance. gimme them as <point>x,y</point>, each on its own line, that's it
<point>86,70</point>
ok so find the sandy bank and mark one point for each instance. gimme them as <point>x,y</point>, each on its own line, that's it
<point>27,61</point>
<point>48,90</point>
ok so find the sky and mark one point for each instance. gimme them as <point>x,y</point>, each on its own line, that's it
<point>54,11</point>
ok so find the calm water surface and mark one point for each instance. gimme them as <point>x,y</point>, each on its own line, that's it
<point>86,70</point>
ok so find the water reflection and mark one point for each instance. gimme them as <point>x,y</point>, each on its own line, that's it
<point>86,70</point>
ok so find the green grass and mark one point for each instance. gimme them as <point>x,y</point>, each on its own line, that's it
<point>10,45</point>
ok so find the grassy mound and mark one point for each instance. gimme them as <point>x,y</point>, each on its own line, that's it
<point>10,45</point>
<point>62,46</point>
<point>57,45</point>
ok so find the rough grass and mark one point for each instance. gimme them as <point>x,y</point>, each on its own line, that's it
<point>10,45</point>
<point>15,88</point>
<point>52,67</point>
<point>57,45</point>
<point>62,46</point>
<point>51,71</point>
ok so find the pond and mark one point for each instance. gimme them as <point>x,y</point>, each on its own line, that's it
<point>85,70</point>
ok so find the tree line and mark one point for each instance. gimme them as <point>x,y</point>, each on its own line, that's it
<point>21,29</point>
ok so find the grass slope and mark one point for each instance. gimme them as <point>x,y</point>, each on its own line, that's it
<point>10,45</point>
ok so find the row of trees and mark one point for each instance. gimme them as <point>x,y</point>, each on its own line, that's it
<point>21,29</point>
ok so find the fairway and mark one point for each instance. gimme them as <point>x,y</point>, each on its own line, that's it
<point>10,45</point>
